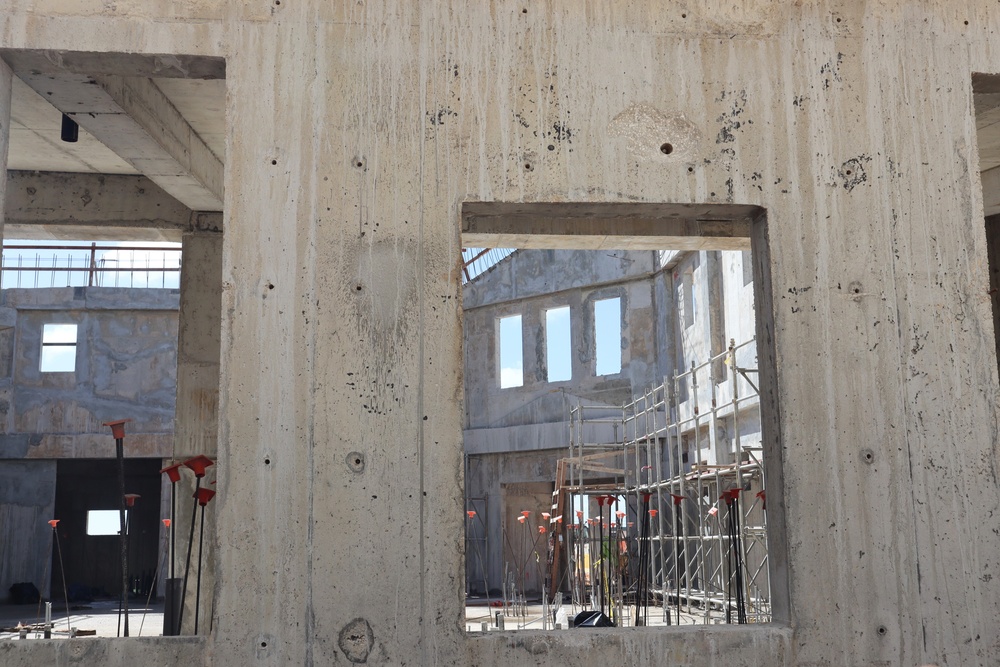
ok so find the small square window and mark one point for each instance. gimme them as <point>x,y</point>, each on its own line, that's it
<point>104,522</point>
<point>58,348</point>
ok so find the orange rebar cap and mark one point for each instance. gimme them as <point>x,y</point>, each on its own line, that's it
<point>54,522</point>
<point>173,472</point>
<point>118,428</point>
<point>198,464</point>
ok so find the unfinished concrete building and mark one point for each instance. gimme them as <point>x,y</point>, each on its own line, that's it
<point>669,311</point>
<point>324,193</point>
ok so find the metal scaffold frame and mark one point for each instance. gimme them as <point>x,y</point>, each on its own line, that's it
<point>685,462</point>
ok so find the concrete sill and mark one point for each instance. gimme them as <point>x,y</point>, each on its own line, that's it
<point>763,644</point>
<point>104,651</point>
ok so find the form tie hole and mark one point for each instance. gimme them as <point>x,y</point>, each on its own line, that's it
<point>667,149</point>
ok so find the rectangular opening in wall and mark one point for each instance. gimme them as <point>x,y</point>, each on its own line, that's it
<point>558,352</point>
<point>510,353</point>
<point>689,297</point>
<point>95,281</point>
<point>58,348</point>
<point>104,522</point>
<point>655,405</point>
<point>608,336</point>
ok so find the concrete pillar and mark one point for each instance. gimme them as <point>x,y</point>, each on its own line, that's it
<point>197,408</point>
<point>6,79</point>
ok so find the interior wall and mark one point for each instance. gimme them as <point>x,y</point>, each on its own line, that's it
<point>93,562</point>
<point>27,498</point>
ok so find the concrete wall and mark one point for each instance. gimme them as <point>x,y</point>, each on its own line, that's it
<point>126,365</point>
<point>357,348</point>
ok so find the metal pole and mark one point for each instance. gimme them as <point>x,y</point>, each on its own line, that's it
<point>187,565</point>
<point>122,534</point>
<point>197,596</point>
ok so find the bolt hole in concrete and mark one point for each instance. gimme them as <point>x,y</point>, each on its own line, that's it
<point>690,170</point>
<point>667,149</point>
<point>882,631</point>
<point>357,288</point>
<point>527,166</point>
<point>263,644</point>
<point>267,462</point>
<point>868,455</point>
<point>274,162</point>
<point>356,461</point>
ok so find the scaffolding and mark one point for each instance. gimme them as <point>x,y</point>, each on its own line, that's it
<point>679,481</point>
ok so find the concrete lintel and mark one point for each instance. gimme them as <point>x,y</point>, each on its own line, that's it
<point>159,66</point>
<point>133,118</point>
<point>598,226</point>
<point>99,206</point>
<point>991,191</point>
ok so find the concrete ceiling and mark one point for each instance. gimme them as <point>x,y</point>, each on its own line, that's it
<point>35,124</point>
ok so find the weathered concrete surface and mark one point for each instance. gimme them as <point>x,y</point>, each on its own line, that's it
<point>106,651</point>
<point>27,496</point>
<point>873,207</point>
<point>112,207</point>
<point>125,368</point>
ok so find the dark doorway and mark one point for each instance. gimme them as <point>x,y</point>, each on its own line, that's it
<point>92,561</point>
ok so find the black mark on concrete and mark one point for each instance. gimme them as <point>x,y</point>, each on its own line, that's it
<point>831,71</point>
<point>732,120</point>
<point>437,117</point>
<point>356,640</point>
<point>521,120</point>
<point>853,173</point>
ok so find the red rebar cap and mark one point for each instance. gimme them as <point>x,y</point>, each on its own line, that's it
<point>619,514</point>
<point>541,529</point>
<point>130,498</point>
<point>579,514</point>
<point>204,495</point>
<point>546,515</point>
<point>173,472</point>
<point>54,523</point>
<point>471,513</point>
<point>521,519</point>
<point>653,513</point>
<point>118,428</point>
<point>763,499</point>
<point>198,464</point>
<point>677,498</point>
<point>166,523</point>
<point>600,501</point>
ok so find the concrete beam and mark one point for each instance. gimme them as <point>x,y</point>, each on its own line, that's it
<point>602,226</point>
<point>94,206</point>
<point>991,191</point>
<point>158,66</point>
<point>133,118</point>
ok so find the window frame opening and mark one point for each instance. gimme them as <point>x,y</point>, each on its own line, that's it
<point>49,358</point>
<point>681,227</point>
<point>558,353</point>
<point>510,376</point>
<point>608,331</point>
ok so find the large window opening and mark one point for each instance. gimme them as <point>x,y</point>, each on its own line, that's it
<point>115,162</point>
<point>558,350</point>
<point>635,491</point>
<point>608,336</point>
<point>510,354</point>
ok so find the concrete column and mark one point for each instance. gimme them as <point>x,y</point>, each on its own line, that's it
<point>196,426</point>
<point>6,79</point>
<point>196,422</point>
